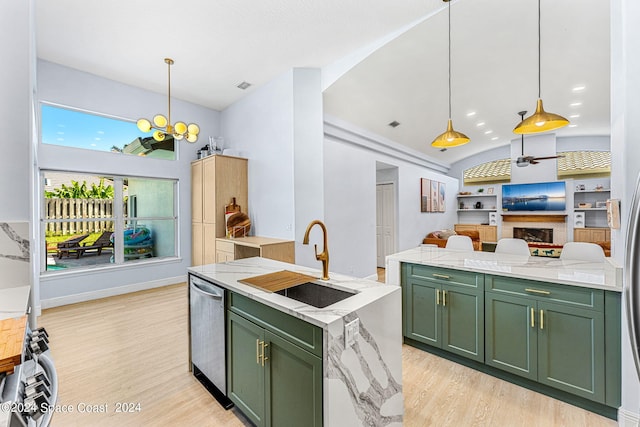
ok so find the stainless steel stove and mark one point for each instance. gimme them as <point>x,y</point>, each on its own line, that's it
<point>28,395</point>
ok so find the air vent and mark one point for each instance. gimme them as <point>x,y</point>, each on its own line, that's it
<point>394,124</point>
<point>244,85</point>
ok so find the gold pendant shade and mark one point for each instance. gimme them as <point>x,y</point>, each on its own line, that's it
<point>450,138</point>
<point>162,125</point>
<point>540,121</point>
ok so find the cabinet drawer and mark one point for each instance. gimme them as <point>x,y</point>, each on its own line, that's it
<point>301,333</point>
<point>225,246</point>
<point>446,275</point>
<point>570,295</point>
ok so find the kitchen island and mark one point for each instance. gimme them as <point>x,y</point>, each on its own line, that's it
<point>550,325</point>
<point>359,379</point>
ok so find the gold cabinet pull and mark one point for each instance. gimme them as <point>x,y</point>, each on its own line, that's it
<point>262,356</point>
<point>437,296</point>
<point>444,298</point>
<point>258,351</point>
<point>541,319</point>
<point>533,318</point>
<point>441,276</point>
<point>537,291</point>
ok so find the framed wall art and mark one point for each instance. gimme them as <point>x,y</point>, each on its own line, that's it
<point>425,195</point>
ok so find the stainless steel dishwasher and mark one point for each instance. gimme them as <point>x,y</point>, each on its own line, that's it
<point>208,347</point>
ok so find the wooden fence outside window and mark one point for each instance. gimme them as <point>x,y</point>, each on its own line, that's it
<point>78,216</point>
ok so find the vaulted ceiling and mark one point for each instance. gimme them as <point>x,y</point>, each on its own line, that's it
<point>218,44</point>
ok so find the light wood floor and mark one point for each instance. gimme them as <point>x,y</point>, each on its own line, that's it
<point>133,348</point>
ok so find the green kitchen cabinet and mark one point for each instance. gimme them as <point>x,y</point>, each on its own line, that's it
<point>547,333</point>
<point>271,379</point>
<point>444,308</point>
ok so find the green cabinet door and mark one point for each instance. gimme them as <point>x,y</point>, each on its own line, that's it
<point>571,350</point>
<point>245,374</point>
<point>422,311</point>
<point>293,384</point>
<point>511,334</point>
<point>463,321</point>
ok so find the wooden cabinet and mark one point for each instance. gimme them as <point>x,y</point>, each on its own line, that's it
<point>488,233</point>
<point>247,247</point>
<point>444,308</point>
<point>551,334</point>
<point>591,234</point>
<point>214,181</point>
<point>272,378</point>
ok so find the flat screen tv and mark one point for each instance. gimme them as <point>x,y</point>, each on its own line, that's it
<point>541,196</point>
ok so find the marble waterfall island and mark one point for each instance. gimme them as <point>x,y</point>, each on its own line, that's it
<point>361,380</point>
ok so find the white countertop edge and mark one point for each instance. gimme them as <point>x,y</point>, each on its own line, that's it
<point>14,301</point>
<point>227,275</point>
<point>606,276</point>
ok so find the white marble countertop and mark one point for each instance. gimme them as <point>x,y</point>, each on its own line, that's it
<point>14,302</point>
<point>605,275</point>
<point>227,275</point>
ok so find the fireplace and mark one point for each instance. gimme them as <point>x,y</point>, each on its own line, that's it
<point>535,235</point>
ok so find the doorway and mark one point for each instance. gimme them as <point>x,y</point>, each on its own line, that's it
<point>385,221</point>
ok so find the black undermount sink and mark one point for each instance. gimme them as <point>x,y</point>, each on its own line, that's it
<point>314,294</point>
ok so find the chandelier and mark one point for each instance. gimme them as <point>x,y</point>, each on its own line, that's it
<point>162,124</point>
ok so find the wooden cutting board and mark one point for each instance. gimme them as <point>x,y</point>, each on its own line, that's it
<point>274,282</point>
<point>11,342</point>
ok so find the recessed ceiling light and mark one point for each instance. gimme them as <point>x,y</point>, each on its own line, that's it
<point>574,116</point>
<point>480,124</point>
<point>488,132</point>
<point>471,113</point>
<point>575,104</point>
<point>573,126</point>
<point>394,124</point>
<point>244,85</point>
<point>494,138</point>
<point>578,88</point>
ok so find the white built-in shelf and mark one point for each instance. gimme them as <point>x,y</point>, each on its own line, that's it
<point>460,196</point>
<point>604,190</point>
<point>476,210</point>
<point>589,209</point>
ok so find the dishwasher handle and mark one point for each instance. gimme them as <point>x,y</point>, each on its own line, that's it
<point>207,289</point>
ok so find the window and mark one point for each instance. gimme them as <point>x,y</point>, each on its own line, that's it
<point>78,129</point>
<point>82,213</point>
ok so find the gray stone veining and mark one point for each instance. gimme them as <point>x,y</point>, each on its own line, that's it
<point>362,383</point>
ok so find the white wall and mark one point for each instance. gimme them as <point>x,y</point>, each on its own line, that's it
<point>350,157</point>
<point>625,151</point>
<point>260,126</point>
<point>279,129</point>
<point>73,88</point>
<point>15,109</point>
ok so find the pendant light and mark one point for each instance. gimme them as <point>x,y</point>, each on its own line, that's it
<point>450,138</point>
<point>540,121</point>
<point>162,124</point>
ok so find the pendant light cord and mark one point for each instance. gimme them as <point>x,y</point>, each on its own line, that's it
<point>169,91</point>
<point>449,9</point>
<point>539,51</point>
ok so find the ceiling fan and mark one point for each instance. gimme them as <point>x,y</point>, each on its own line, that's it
<point>523,160</point>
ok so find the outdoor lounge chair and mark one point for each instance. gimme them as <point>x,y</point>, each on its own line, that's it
<point>102,242</point>
<point>64,248</point>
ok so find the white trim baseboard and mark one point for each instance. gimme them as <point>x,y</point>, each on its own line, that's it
<point>109,292</point>
<point>628,418</point>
